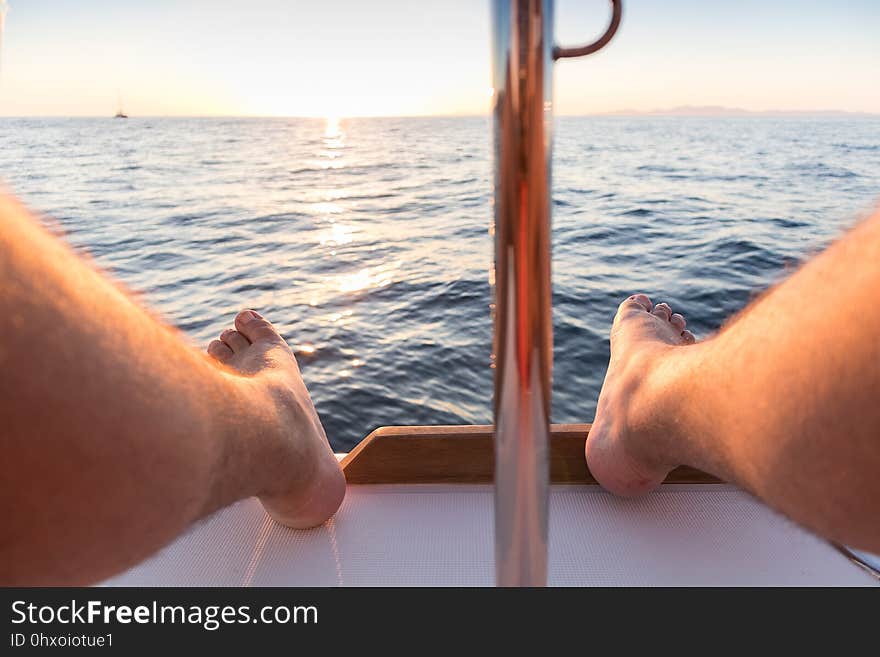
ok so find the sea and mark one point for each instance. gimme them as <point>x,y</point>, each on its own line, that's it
<point>366,241</point>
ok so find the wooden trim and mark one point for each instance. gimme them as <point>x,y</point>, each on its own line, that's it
<point>465,455</point>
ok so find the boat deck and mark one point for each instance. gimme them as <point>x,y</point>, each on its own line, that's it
<point>442,535</point>
<point>419,511</point>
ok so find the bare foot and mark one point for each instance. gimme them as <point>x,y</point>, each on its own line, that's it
<point>309,485</point>
<point>623,450</point>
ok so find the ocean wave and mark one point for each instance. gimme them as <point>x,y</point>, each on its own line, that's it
<point>409,224</point>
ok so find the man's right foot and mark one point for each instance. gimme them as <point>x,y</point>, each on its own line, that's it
<point>622,450</point>
<point>310,484</point>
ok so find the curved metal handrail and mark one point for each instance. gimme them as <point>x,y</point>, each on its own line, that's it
<point>579,51</point>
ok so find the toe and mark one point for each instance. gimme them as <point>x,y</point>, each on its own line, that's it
<point>678,321</point>
<point>252,326</point>
<point>663,310</point>
<point>236,341</point>
<point>219,351</point>
<point>688,337</point>
<point>643,300</point>
<point>636,301</point>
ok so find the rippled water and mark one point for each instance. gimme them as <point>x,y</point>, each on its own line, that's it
<point>366,241</point>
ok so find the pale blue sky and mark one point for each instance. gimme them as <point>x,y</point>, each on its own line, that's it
<point>390,57</point>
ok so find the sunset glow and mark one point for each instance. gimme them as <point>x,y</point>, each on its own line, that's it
<point>342,58</point>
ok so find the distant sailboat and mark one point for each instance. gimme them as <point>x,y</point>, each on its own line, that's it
<point>119,113</point>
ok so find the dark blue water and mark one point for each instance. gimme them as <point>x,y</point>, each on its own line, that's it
<point>367,242</point>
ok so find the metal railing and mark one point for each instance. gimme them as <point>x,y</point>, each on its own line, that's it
<point>523,53</point>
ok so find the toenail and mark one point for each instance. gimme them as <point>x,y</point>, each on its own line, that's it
<point>247,316</point>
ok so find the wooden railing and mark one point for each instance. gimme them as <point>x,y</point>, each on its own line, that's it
<point>465,455</point>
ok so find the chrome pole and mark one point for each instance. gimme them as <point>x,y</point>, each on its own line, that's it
<point>523,343</point>
<point>522,56</point>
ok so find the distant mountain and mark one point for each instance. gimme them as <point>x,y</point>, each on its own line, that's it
<point>717,110</point>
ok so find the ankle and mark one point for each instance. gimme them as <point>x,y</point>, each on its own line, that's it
<point>657,414</point>
<point>678,411</point>
<point>247,429</point>
<point>287,459</point>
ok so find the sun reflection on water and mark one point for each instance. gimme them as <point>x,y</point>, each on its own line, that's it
<point>337,234</point>
<point>334,138</point>
<point>327,202</point>
<point>364,279</point>
<point>325,207</point>
<point>331,128</point>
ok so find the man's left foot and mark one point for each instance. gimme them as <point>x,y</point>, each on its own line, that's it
<point>306,484</point>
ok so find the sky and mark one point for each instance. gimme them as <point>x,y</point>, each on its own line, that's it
<point>426,57</point>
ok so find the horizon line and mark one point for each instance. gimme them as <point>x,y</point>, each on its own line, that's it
<point>686,111</point>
